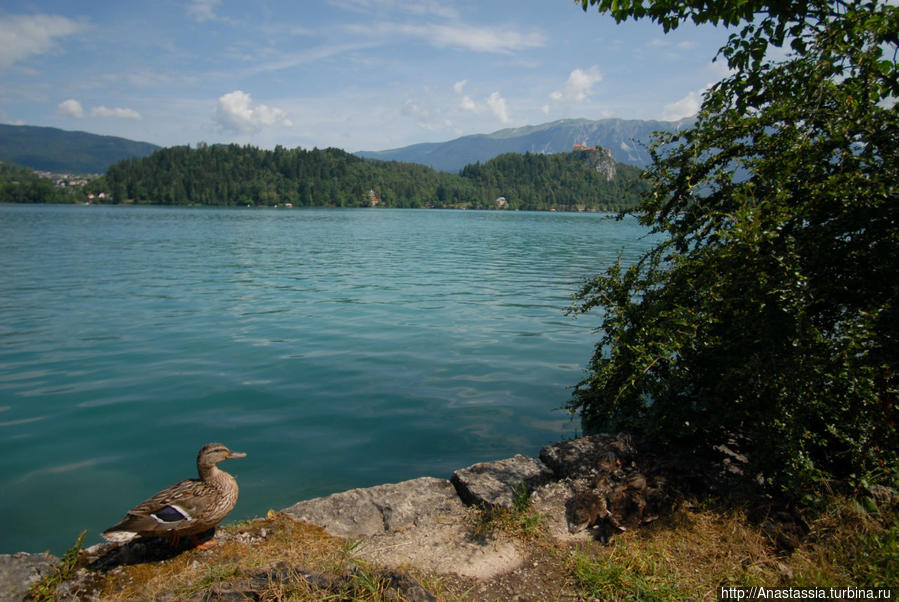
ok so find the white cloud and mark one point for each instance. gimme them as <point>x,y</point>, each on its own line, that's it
<point>457,87</point>
<point>203,10</point>
<point>579,85</point>
<point>118,113</point>
<point>545,109</point>
<point>497,105</point>
<point>237,113</point>
<point>71,107</point>
<point>22,36</point>
<point>468,104</point>
<point>685,107</point>
<point>494,103</point>
<point>458,35</point>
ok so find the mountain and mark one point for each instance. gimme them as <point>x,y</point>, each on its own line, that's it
<point>627,139</point>
<point>61,151</point>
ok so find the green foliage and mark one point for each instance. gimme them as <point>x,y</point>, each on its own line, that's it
<point>244,175</point>
<point>769,310</point>
<point>20,185</point>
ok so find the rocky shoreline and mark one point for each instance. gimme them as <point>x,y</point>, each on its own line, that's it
<point>421,523</point>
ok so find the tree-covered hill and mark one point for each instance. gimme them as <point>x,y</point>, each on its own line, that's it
<point>245,175</point>
<point>22,185</point>
<point>52,149</point>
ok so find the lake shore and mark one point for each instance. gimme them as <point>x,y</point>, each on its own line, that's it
<point>418,540</point>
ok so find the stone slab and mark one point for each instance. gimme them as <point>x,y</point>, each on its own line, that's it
<point>19,571</point>
<point>379,509</point>
<point>496,483</point>
<point>580,458</point>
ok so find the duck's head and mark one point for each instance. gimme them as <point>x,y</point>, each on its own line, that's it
<point>213,453</point>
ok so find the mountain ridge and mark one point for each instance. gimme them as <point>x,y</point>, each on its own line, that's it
<point>628,139</point>
<point>66,151</point>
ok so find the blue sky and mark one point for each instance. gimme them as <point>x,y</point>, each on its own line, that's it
<point>355,74</point>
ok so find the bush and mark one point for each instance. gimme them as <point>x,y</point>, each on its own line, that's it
<point>768,312</point>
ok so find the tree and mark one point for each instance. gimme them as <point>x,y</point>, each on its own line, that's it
<point>768,313</point>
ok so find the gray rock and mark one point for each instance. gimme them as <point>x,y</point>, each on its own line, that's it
<point>379,509</point>
<point>581,458</point>
<point>496,483</point>
<point>19,571</point>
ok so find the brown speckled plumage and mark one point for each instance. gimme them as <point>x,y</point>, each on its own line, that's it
<point>186,508</point>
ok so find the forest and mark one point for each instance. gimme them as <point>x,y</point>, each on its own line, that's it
<point>22,185</point>
<point>245,175</point>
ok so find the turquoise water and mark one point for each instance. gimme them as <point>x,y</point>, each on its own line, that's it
<point>338,348</point>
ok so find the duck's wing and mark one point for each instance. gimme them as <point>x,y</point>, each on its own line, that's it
<point>180,508</point>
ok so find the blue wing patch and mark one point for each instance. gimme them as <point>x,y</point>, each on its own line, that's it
<point>170,514</point>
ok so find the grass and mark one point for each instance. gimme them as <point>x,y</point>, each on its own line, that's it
<point>519,521</point>
<point>691,554</point>
<point>45,589</point>
<point>686,556</point>
<point>288,542</point>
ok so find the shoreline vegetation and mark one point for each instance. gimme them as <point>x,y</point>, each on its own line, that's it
<point>512,541</point>
<point>586,180</point>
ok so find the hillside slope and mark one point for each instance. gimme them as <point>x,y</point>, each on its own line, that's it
<point>62,151</point>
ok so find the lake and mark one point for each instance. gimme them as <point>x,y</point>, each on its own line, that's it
<point>338,348</point>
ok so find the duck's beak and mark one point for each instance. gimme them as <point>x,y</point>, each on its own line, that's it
<point>235,454</point>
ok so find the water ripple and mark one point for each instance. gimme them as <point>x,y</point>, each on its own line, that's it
<point>338,348</point>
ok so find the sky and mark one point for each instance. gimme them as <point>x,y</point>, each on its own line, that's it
<point>353,74</point>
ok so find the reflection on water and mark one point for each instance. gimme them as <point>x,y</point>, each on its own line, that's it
<point>339,348</point>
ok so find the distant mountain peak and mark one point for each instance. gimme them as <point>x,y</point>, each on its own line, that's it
<point>628,139</point>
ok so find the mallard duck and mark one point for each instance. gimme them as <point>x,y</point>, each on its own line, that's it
<point>187,508</point>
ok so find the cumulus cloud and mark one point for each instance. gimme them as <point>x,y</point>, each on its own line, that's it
<point>494,103</point>
<point>458,86</point>
<point>685,107</point>
<point>22,36</point>
<point>497,105</point>
<point>71,107</point>
<point>579,85</point>
<point>468,104</point>
<point>236,112</point>
<point>118,113</point>
<point>203,10</point>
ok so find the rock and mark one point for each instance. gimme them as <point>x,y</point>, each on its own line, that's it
<point>444,544</point>
<point>496,483</point>
<point>19,571</point>
<point>581,458</point>
<point>378,509</point>
<point>554,501</point>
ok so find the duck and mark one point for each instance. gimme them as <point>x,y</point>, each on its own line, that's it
<point>188,508</point>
